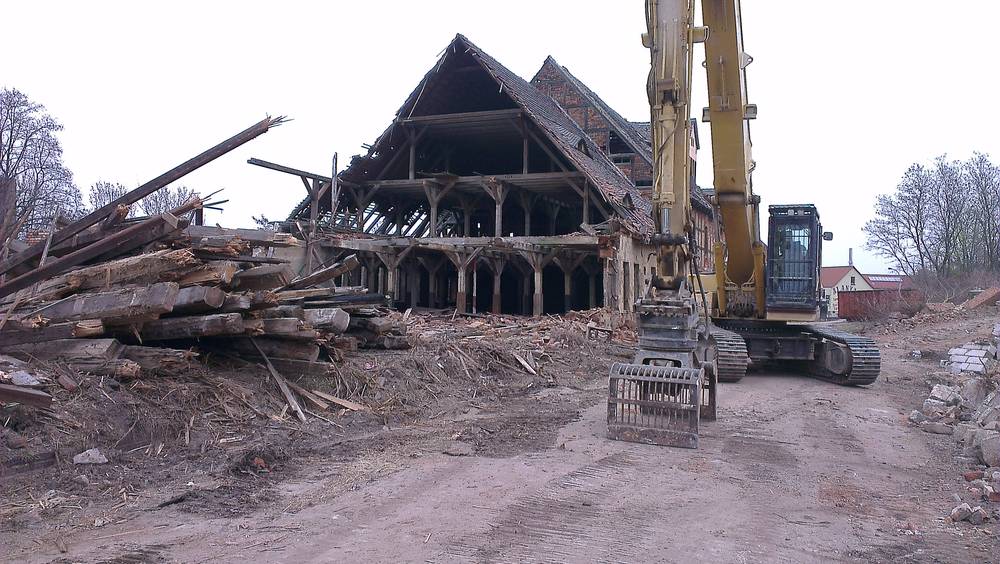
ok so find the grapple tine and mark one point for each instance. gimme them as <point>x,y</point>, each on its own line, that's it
<point>658,405</point>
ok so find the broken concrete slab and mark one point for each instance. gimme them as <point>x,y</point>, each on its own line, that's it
<point>946,394</point>
<point>961,513</point>
<point>937,428</point>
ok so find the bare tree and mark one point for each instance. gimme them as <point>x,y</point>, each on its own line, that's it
<point>31,155</point>
<point>103,193</point>
<point>941,221</point>
<point>166,199</point>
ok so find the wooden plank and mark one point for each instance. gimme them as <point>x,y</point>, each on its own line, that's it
<point>118,368</point>
<point>235,303</point>
<point>325,274</point>
<point>332,319</point>
<point>67,349</point>
<point>26,396</point>
<point>282,384</point>
<point>255,237</point>
<point>275,348</point>
<point>347,404</point>
<point>309,396</point>
<point>280,311</point>
<point>141,192</point>
<point>264,277</point>
<point>115,305</point>
<point>376,325</point>
<point>160,361</point>
<point>191,327</point>
<point>123,241</point>
<point>216,272</point>
<point>51,333</point>
<point>199,299</point>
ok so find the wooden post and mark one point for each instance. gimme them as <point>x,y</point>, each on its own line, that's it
<point>468,208</point>
<point>414,284</point>
<point>569,264</point>
<point>586,202</point>
<point>475,289</point>
<point>524,156</point>
<point>413,155</point>
<point>592,290</point>
<point>537,304</point>
<point>435,191</point>
<point>553,215</point>
<point>497,190</point>
<point>527,200</point>
<point>462,260</point>
<point>497,266</point>
<point>392,260</point>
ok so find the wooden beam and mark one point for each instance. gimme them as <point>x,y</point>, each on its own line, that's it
<point>264,277</point>
<point>117,305</point>
<point>324,274</point>
<point>199,299</point>
<point>192,327</point>
<point>123,241</point>
<point>141,192</point>
<point>282,384</point>
<point>26,396</point>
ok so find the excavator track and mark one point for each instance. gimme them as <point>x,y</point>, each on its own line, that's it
<point>866,360</point>
<point>731,357</point>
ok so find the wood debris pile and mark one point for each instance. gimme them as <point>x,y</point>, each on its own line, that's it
<point>127,298</point>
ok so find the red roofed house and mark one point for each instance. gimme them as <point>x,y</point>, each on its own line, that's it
<point>836,279</point>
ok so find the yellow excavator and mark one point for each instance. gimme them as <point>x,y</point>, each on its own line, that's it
<point>755,309</point>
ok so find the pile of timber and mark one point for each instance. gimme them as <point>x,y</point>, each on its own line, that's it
<point>125,297</point>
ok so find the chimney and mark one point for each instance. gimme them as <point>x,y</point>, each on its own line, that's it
<point>850,257</point>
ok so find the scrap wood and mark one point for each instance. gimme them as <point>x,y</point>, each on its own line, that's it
<point>26,396</point>
<point>91,328</point>
<point>128,239</point>
<point>282,384</point>
<point>347,404</point>
<point>524,364</point>
<point>99,215</point>
<point>324,274</point>
<point>309,396</point>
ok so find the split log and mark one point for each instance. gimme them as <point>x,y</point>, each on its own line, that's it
<point>192,327</point>
<point>125,240</point>
<point>67,349</point>
<point>264,277</point>
<point>116,305</point>
<point>255,237</point>
<point>148,268</point>
<point>160,361</point>
<point>376,325</point>
<point>282,325</point>
<point>213,273</point>
<point>117,368</point>
<point>324,274</point>
<point>274,348</point>
<point>235,303</point>
<point>344,343</point>
<point>52,332</point>
<point>343,301</point>
<point>26,396</point>
<point>280,311</point>
<point>334,320</point>
<point>199,299</point>
<point>263,299</point>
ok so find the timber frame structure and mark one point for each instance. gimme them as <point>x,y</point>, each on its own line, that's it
<point>485,195</point>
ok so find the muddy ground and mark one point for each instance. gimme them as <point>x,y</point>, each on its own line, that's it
<point>464,455</point>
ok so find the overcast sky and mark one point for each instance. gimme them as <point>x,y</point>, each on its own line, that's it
<point>849,92</point>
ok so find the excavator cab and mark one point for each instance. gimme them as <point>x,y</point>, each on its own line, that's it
<point>794,250</point>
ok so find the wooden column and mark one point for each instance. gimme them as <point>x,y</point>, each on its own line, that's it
<point>462,260</point>
<point>586,202</point>
<point>391,260</point>
<point>497,265</point>
<point>469,205</point>
<point>497,190</point>
<point>435,191</point>
<point>414,283</point>
<point>568,264</point>
<point>553,210</point>
<point>537,261</point>
<point>592,271</point>
<point>432,265</point>
<point>527,200</point>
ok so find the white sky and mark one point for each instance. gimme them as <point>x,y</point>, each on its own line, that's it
<point>849,92</point>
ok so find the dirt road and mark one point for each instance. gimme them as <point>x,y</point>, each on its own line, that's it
<point>795,470</point>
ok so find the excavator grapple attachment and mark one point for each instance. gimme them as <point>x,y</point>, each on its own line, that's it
<point>658,405</point>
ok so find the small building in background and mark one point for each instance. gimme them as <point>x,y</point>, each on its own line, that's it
<point>837,279</point>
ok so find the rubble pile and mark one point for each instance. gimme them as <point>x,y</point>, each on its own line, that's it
<point>126,298</point>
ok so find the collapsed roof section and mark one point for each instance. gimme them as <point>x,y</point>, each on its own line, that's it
<point>467,81</point>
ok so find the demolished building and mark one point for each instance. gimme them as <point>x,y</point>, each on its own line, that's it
<point>491,193</point>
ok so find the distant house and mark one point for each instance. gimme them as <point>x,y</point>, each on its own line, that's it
<point>836,279</point>
<point>889,281</point>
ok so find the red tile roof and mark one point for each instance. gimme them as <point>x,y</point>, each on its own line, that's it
<point>888,281</point>
<point>830,275</point>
